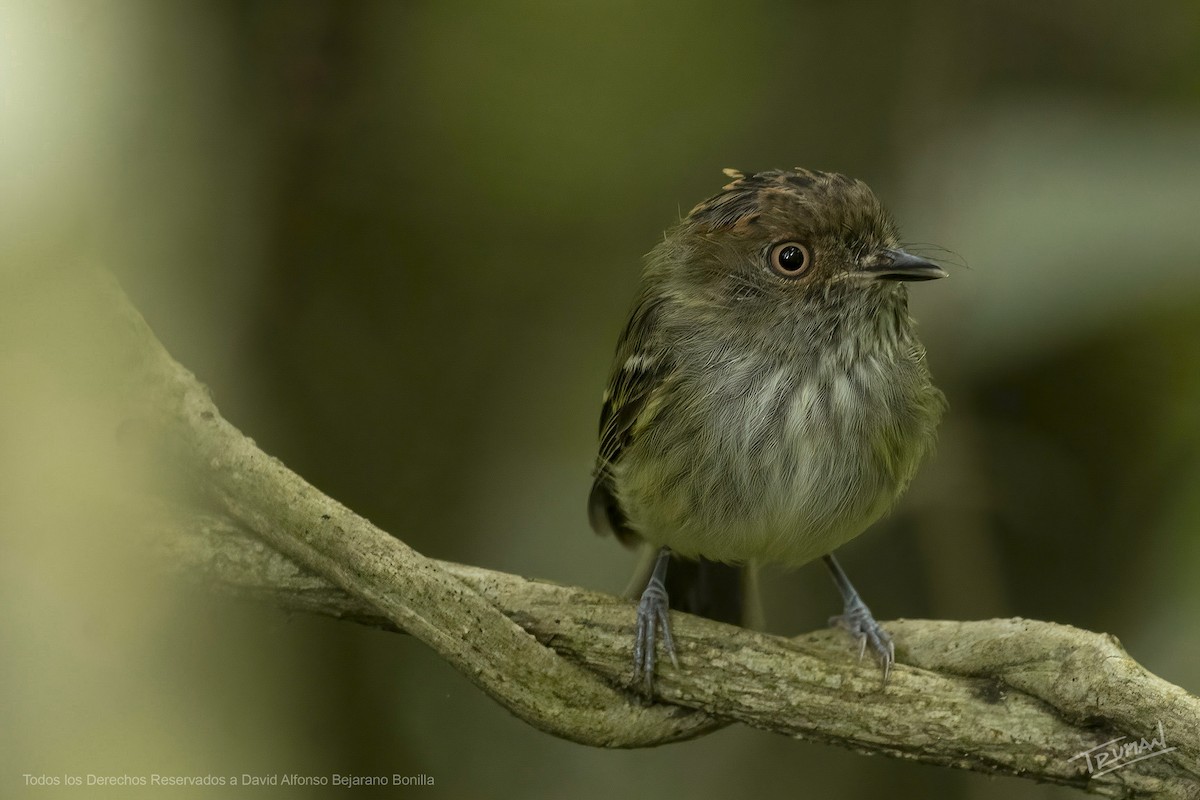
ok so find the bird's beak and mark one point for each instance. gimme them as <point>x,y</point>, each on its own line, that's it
<point>897,265</point>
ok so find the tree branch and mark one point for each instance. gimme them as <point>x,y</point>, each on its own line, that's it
<point>1012,697</point>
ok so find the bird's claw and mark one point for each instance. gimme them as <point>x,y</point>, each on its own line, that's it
<point>653,615</point>
<point>858,621</point>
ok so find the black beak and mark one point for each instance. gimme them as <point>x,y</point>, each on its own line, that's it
<point>897,265</point>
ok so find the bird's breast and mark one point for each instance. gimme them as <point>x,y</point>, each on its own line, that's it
<point>760,460</point>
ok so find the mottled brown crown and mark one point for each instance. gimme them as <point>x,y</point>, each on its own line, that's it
<point>825,199</point>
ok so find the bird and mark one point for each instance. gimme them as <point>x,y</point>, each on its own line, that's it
<point>768,401</point>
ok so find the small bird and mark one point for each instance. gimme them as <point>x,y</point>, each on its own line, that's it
<point>769,399</point>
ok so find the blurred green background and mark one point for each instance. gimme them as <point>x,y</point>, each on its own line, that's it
<point>398,241</point>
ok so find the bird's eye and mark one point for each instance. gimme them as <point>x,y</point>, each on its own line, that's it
<point>790,259</point>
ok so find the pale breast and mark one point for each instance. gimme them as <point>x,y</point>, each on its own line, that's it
<point>779,463</point>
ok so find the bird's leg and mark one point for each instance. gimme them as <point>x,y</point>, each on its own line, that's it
<point>653,615</point>
<point>857,619</point>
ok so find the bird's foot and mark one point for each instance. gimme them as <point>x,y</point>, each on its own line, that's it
<point>857,620</point>
<point>653,616</point>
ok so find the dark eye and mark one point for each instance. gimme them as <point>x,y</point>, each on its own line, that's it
<point>790,259</point>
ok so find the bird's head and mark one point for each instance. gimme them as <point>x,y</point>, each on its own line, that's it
<point>786,239</point>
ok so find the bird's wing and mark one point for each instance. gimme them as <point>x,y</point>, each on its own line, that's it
<point>629,403</point>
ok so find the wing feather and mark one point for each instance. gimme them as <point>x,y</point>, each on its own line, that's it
<point>638,373</point>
